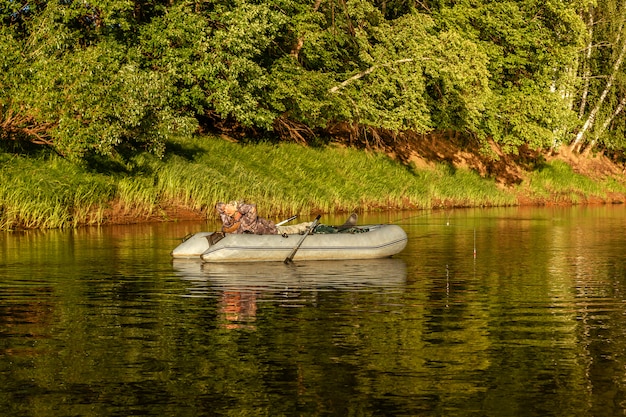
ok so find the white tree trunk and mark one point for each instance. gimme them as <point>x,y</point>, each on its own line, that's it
<point>366,72</point>
<point>606,124</point>
<point>589,123</point>
<point>586,70</point>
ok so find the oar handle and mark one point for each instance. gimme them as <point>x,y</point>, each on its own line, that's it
<point>289,258</point>
<point>286,220</point>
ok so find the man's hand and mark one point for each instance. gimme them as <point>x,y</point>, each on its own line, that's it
<point>231,229</point>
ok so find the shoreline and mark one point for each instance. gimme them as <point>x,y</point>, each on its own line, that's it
<point>184,214</point>
<point>286,178</point>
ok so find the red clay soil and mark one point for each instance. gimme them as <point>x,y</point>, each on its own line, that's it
<point>509,170</point>
<point>119,214</point>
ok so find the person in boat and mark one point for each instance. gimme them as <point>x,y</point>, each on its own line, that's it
<point>239,217</point>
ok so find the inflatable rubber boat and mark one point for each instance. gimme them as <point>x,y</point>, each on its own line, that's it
<point>360,242</point>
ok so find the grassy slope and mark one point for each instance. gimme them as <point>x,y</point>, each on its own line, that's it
<point>283,179</point>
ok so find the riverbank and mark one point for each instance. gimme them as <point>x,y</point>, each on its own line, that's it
<point>46,191</point>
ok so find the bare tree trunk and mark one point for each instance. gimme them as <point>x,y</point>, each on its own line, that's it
<point>366,72</point>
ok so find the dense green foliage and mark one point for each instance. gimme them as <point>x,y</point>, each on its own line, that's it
<point>115,78</point>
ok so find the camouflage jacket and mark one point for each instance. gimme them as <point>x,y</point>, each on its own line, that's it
<point>249,222</point>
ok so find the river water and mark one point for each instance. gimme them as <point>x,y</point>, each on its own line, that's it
<point>490,312</point>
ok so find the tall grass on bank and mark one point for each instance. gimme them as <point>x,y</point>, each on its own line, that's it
<point>558,183</point>
<point>288,178</point>
<point>282,179</point>
<point>50,194</point>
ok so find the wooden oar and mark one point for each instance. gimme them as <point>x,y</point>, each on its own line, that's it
<point>293,252</point>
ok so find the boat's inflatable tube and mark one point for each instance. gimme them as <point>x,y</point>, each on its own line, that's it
<point>371,242</point>
<point>193,246</point>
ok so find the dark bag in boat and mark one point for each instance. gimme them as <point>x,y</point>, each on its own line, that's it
<point>324,229</point>
<point>215,237</point>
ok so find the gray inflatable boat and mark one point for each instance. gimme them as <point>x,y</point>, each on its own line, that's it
<point>362,242</point>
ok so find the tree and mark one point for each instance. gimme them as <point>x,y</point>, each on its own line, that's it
<point>601,73</point>
<point>529,45</point>
<point>71,80</point>
<point>112,77</point>
<point>353,65</point>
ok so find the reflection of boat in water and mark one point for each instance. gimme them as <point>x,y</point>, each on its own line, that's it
<point>363,242</point>
<point>240,287</point>
<point>348,275</point>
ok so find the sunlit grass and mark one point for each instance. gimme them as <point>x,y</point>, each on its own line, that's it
<point>558,181</point>
<point>50,194</point>
<point>282,179</point>
<point>288,178</point>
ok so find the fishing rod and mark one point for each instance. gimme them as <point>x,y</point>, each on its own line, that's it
<point>447,223</point>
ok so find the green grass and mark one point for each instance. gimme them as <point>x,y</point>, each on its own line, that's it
<point>283,179</point>
<point>559,183</point>
<point>50,193</point>
<point>289,178</point>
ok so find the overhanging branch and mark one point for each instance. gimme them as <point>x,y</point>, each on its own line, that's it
<point>366,72</point>
<point>14,125</point>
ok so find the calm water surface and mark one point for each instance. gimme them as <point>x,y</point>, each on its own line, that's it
<point>503,312</point>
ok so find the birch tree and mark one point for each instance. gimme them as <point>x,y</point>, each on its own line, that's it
<point>530,47</point>
<point>591,117</point>
<point>607,122</point>
<point>602,77</point>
